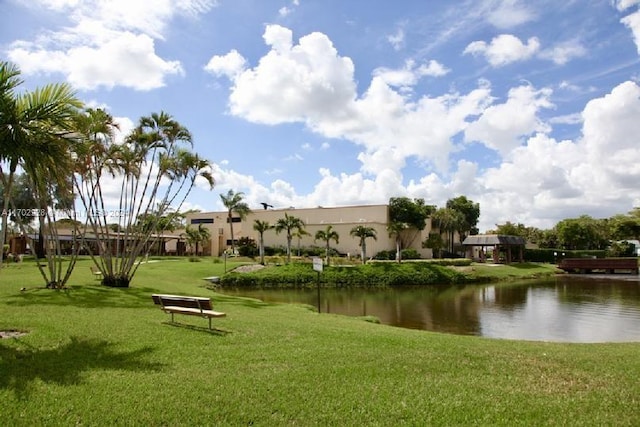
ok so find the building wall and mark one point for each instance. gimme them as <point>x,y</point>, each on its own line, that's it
<point>343,219</point>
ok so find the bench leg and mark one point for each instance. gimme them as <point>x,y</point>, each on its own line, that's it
<point>172,318</point>
<point>209,322</point>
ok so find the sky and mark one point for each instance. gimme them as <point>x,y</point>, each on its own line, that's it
<point>529,108</point>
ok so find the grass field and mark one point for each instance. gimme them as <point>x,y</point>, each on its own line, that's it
<point>105,356</point>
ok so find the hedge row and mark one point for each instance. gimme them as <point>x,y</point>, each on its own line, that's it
<point>555,255</point>
<point>372,275</point>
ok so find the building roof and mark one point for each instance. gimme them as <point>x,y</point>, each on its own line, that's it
<point>493,239</point>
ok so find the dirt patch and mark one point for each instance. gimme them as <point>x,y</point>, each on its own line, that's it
<point>12,334</point>
<point>248,268</point>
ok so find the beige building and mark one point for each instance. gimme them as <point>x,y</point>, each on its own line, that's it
<point>343,219</point>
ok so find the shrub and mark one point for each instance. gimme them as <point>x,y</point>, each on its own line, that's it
<point>247,247</point>
<point>409,253</point>
<point>385,255</point>
<point>553,256</point>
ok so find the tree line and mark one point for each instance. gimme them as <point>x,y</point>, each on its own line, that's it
<point>581,233</point>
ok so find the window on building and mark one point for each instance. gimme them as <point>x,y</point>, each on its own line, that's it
<point>234,219</point>
<point>201,220</point>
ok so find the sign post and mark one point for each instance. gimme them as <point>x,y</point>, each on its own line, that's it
<point>317,266</point>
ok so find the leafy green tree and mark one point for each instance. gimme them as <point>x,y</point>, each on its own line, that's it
<point>326,236</point>
<point>626,226</point>
<point>363,233</point>
<point>581,233</point>
<point>436,243</point>
<point>290,224</point>
<point>261,227</point>
<point>407,218</point>
<point>234,203</point>
<point>22,202</point>
<point>470,214</point>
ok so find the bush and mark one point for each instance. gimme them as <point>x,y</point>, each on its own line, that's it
<point>385,256</point>
<point>553,256</point>
<point>409,254</point>
<point>621,249</point>
<point>247,247</point>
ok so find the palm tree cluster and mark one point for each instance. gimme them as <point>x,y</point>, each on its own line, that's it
<point>68,153</point>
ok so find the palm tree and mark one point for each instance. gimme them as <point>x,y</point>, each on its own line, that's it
<point>195,236</point>
<point>448,221</point>
<point>299,235</point>
<point>363,233</point>
<point>290,224</point>
<point>327,235</point>
<point>396,229</point>
<point>261,227</point>
<point>151,155</point>
<point>233,202</point>
<point>34,129</point>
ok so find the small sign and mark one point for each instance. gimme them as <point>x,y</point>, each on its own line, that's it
<point>317,264</point>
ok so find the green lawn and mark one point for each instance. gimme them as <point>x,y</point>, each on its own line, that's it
<point>103,356</point>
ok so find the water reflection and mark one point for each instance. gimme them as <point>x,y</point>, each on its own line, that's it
<point>567,308</point>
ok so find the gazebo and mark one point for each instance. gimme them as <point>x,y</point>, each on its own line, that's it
<point>498,242</point>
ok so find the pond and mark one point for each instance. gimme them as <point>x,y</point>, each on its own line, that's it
<point>565,308</point>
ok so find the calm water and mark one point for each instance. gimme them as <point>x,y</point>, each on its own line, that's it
<point>569,309</point>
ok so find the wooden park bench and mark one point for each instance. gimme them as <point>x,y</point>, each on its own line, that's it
<point>192,306</point>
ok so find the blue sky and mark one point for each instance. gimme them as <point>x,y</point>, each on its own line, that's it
<point>530,108</point>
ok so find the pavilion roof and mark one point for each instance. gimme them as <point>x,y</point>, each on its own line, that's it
<point>493,239</point>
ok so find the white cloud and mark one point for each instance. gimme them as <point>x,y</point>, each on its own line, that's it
<point>502,126</point>
<point>546,180</point>
<point>625,4</point>
<point>509,14</point>
<point>229,65</point>
<point>309,82</point>
<point>284,11</point>
<point>126,60</point>
<point>564,52</point>
<point>294,83</point>
<point>632,21</point>
<point>396,40</point>
<point>410,73</point>
<point>504,49</point>
<point>108,44</point>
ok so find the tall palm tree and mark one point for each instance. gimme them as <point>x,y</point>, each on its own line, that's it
<point>30,123</point>
<point>396,229</point>
<point>261,227</point>
<point>327,235</point>
<point>152,154</point>
<point>234,203</point>
<point>363,233</point>
<point>290,224</point>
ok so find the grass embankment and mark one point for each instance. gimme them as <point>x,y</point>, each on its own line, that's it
<point>381,275</point>
<point>104,356</point>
